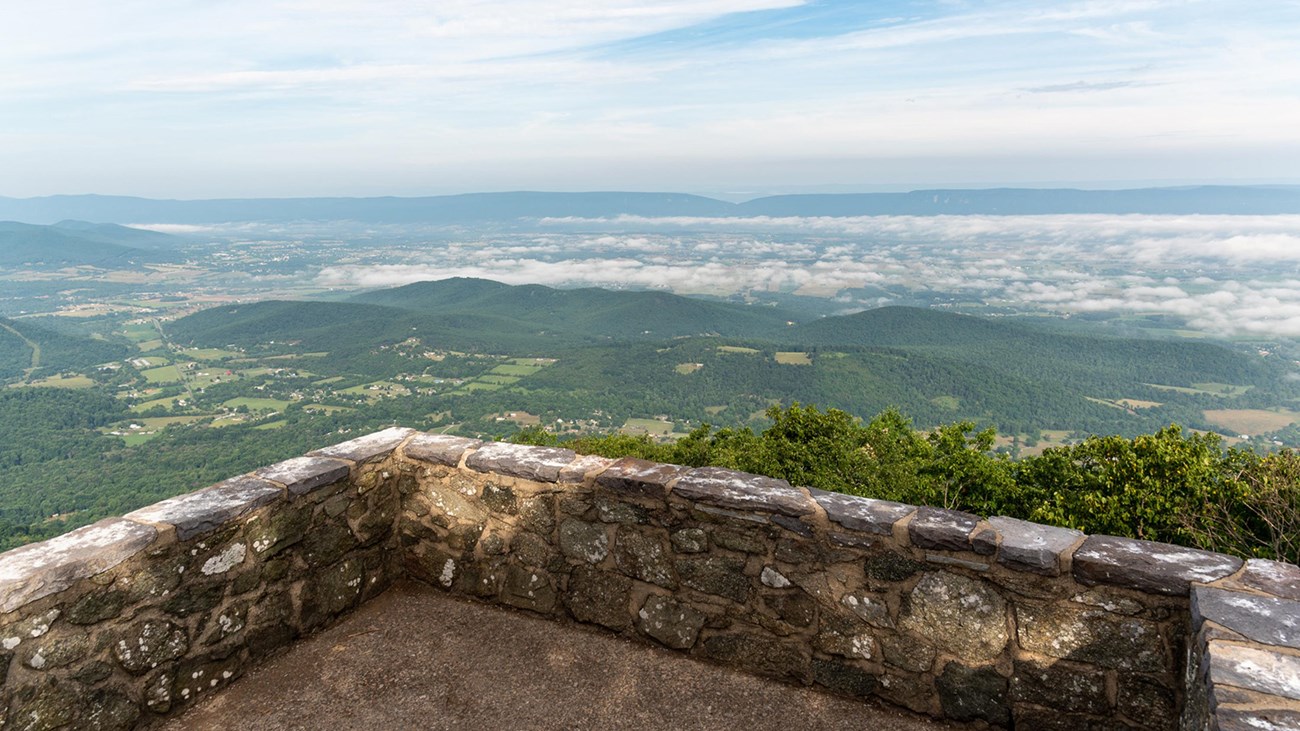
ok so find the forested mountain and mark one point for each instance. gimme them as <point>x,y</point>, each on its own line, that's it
<point>513,206</point>
<point>594,311</point>
<point>936,366</point>
<point>1090,362</point>
<point>26,346</point>
<point>77,243</point>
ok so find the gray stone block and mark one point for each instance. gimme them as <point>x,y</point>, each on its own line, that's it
<point>304,474</point>
<point>599,597</point>
<point>1232,719</point>
<point>640,476</point>
<point>1276,578</point>
<point>945,530</point>
<point>971,693</point>
<point>671,622</point>
<point>40,569</point>
<point>585,464</point>
<point>965,617</point>
<point>742,491</point>
<point>1269,620</point>
<point>1160,568</point>
<point>718,575</point>
<point>440,449</point>
<point>542,464</point>
<point>1254,668</point>
<point>862,514</point>
<point>1091,636</point>
<point>1032,547</point>
<point>203,511</point>
<point>370,447</point>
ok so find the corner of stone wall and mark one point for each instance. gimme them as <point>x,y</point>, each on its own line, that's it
<point>131,618</point>
<point>999,620</point>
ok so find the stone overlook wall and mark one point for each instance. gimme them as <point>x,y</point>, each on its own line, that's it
<point>1015,624</point>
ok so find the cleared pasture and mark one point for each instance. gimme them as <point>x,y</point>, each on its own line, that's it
<point>788,357</point>
<point>1251,421</point>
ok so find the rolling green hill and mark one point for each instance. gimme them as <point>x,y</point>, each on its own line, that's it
<point>25,346</point>
<point>590,311</point>
<point>77,243</point>
<point>937,366</point>
<point>1093,363</point>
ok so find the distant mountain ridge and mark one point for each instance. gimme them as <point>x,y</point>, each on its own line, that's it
<point>530,205</point>
<point>598,312</point>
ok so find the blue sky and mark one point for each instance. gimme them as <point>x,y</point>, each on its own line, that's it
<point>204,98</point>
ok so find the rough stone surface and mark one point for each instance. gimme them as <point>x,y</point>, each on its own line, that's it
<point>528,588</point>
<point>1155,567</point>
<point>742,491</point>
<point>442,449</point>
<point>332,591</point>
<point>971,693</point>
<point>644,557</point>
<point>690,540</point>
<point>839,635</point>
<point>671,622</point>
<point>201,512</point>
<point>1232,719</point>
<point>758,654</point>
<point>907,653</point>
<point>639,476</point>
<point>367,448</point>
<point>1033,547</point>
<point>150,643</point>
<point>890,567</point>
<point>599,597</point>
<point>304,474</point>
<point>1263,619</point>
<point>946,530</point>
<point>718,575</point>
<point>962,616</point>
<point>583,465</point>
<point>541,464</point>
<point>1276,578</point>
<point>862,514</point>
<point>586,541</point>
<point>1054,685</point>
<point>1142,697</point>
<point>872,610</point>
<point>31,572</point>
<point>843,678</point>
<point>1092,636</point>
<point>1255,668</point>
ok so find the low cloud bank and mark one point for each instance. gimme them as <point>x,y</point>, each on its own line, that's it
<point>1226,275</point>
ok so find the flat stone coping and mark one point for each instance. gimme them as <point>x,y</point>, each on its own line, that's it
<point>37,570</point>
<point>416,657</point>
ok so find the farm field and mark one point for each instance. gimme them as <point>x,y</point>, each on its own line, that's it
<point>165,374</point>
<point>64,381</point>
<point>1252,421</point>
<point>257,404</point>
<point>792,358</point>
<point>653,427</point>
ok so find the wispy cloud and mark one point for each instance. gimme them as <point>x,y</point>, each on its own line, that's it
<point>293,97</point>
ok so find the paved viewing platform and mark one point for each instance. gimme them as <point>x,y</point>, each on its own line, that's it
<point>418,658</point>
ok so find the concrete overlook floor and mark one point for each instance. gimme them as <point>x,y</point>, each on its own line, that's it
<point>417,658</point>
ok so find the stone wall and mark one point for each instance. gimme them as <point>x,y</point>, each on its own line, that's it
<point>1000,620</point>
